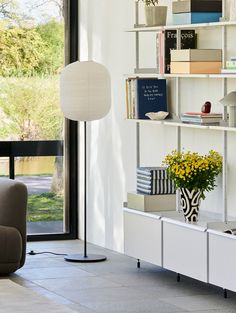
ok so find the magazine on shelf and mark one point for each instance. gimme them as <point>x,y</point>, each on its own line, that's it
<point>203,115</point>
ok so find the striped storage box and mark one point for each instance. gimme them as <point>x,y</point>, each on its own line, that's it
<point>154,181</point>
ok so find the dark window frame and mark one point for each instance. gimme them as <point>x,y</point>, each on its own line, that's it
<point>71,17</point>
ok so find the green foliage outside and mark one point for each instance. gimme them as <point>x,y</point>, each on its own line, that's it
<point>31,57</point>
<point>30,107</point>
<point>21,51</point>
<point>31,51</point>
<point>52,35</point>
<point>45,207</point>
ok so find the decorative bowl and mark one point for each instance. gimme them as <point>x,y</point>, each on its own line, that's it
<point>158,116</point>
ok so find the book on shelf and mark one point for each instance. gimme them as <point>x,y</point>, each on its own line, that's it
<point>156,187</point>
<point>154,180</point>
<point>154,172</point>
<point>168,41</point>
<point>228,71</point>
<point>230,65</point>
<point>145,95</point>
<point>196,17</point>
<point>195,67</point>
<point>195,55</point>
<point>151,203</point>
<point>203,120</point>
<point>203,115</point>
<point>185,6</point>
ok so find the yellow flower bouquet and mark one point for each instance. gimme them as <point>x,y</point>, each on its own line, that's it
<point>193,171</point>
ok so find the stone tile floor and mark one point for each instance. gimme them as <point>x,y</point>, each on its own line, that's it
<point>116,285</point>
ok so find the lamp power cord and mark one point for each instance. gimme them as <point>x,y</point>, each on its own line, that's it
<point>32,252</point>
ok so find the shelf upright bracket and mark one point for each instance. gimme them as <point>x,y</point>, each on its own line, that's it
<point>178,132</point>
<point>178,111</point>
<point>137,36</point>
<point>137,144</point>
<point>224,175</point>
<point>225,134</point>
<point>177,93</point>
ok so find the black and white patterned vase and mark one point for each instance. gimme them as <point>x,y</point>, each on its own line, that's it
<point>190,201</point>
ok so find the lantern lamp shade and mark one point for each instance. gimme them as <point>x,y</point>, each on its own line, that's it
<point>85,91</point>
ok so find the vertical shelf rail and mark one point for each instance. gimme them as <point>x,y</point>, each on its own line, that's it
<point>137,36</point>
<point>137,144</point>
<point>178,111</point>
<point>225,134</point>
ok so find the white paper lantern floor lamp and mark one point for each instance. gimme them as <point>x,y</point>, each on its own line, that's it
<point>85,95</point>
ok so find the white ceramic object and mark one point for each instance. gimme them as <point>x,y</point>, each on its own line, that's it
<point>158,116</point>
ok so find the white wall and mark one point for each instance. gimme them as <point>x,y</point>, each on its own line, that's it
<point>112,140</point>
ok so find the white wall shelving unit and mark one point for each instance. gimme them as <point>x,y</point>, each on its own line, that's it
<point>168,234</point>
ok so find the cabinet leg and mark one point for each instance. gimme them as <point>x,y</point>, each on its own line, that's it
<point>138,263</point>
<point>225,293</point>
<point>178,277</point>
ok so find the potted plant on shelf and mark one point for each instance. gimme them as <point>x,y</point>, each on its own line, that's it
<point>155,14</point>
<point>193,174</point>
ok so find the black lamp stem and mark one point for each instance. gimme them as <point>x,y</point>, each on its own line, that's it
<point>84,257</point>
<point>85,189</point>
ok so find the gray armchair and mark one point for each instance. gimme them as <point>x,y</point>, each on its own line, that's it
<point>13,204</point>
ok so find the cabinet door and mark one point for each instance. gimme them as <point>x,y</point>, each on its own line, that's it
<point>185,250</point>
<point>222,261</point>
<point>142,237</point>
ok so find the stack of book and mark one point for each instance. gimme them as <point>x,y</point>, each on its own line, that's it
<point>196,61</point>
<point>230,67</point>
<point>201,118</point>
<point>144,95</point>
<point>196,11</point>
<point>167,41</point>
<point>154,181</point>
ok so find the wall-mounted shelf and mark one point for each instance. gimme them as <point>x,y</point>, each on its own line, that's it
<point>175,123</point>
<point>142,73</point>
<point>143,28</point>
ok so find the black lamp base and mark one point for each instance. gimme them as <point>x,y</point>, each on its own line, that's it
<point>85,259</point>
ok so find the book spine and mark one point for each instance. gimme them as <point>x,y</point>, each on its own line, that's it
<point>133,97</point>
<point>161,52</point>
<point>187,6</point>
<point>153,174</point>
<point>228,71</point>
<point>231,64</point>
<point>127,97</point>
<point>158,53</point>
<point>159,187</point>
<point>196,17</point>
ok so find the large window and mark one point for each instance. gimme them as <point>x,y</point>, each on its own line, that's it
<point>32,128</point>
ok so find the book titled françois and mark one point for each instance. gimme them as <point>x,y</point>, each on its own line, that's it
<point>151,96</point>
<point>187,40</point>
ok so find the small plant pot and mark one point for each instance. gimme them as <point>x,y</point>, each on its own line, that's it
<point>155,15</point>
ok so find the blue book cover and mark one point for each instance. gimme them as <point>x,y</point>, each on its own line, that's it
<point>151,96</point>
<point>196,17</point>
